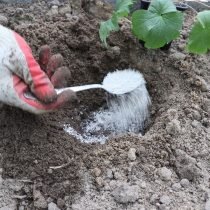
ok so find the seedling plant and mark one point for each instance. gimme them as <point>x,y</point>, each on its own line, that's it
<point>159,25</point>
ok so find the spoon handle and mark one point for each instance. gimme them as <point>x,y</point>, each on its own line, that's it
<point>79,88</point>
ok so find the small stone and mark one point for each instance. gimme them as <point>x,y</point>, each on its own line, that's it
<point>202,84</point>
<point>113,184</point>
<point>153,199</point>
<point>75,207</point>
<point>3,20</point>
<point>196,124</point>
<point>143,185</point>
<point>100,181</point>
<point>196,115</point>
<point>97,172</point>
<point>107,188</point>
<point>53,11</point>
<point>54,2</point>
<point>39,200</point>
<point>113,52</point>
<point>205,122</point>
<point>165,200</point>
<point>32,7</point>
<point>19,12</point>
<point>159,68</point>
<point>173,127</point>
<point>68,15</point>
<point>66,183</point>
<point>24,203</point>
<point>20,208</point>
<point>117,175</point>
<point>132,154</point>
<point>165,174</point>
<point>157,181</point>
<point>55,7</point>
<point>49,200</point>
<point>176,186</point>
<point>126,194</point>
<point>49,171</point>
<point>116,50</point>
<point>185,183</point>
<point>52,206</point>
<point>109,174</point>
<point>157,204</point>
<point>181,46</point>
<point>60,203</point>
<point>141,150</point>
<point>65,10</point>
<point>36,161</point>
<point>178,56</point>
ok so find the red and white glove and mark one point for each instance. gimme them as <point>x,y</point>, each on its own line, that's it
<point>20,74</point>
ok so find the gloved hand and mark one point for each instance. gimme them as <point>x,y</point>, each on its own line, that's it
<point>21,74</point>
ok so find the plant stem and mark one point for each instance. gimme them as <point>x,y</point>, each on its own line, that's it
<point>192,9</point>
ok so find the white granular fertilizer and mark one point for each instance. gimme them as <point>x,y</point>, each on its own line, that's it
<point>126,113</point>
<point>121,82</point>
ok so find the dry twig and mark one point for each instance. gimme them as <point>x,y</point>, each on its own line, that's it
<point>63,165</point>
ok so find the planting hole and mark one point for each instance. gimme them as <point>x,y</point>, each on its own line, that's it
<point>124,113</point>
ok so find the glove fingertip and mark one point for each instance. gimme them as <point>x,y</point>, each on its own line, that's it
<point>44,56</point>
<point>67,97</point>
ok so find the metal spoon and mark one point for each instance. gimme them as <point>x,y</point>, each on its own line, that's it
<point>117,82</point>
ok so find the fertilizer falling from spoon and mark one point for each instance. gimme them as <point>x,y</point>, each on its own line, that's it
<point>126,112</point>
<point>117,82</point>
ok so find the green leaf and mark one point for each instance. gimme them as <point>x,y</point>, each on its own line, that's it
<point>123,6</point>
<point>106,27</point>
<point>158,25</point>
<point>141,22</point>
<point>199,39</point>
<point>162,6</point>
<point>115,19</point>
<point>165,30</point>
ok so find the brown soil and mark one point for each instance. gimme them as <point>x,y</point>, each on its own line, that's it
<point>177,137</point>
